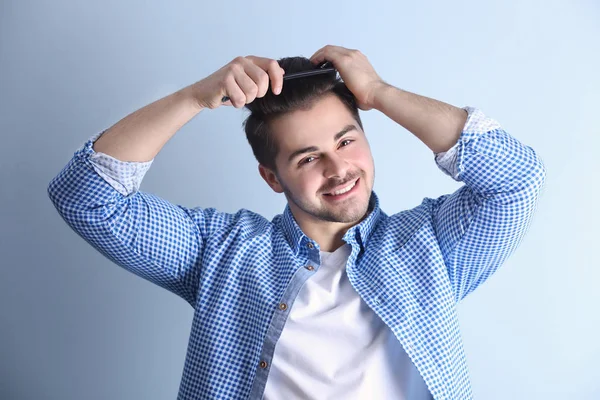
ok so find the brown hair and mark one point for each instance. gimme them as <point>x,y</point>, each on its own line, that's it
<point>297,94</point>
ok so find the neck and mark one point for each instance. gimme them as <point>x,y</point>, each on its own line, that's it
<point>326,233</point>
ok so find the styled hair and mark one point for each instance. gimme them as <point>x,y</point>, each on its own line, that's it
<point>297,94</point>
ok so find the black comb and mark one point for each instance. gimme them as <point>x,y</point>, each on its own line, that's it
<point>323,68</point>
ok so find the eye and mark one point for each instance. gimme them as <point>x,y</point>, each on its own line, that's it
<point>347,140</point>
<point>305,160</point>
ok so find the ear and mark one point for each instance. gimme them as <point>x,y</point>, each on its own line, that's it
<point>271,178</point>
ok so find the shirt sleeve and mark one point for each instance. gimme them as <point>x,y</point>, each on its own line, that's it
<point>481,224</point>
<point>124,176</point>
<point>477,121</point>
<point>98,196</point>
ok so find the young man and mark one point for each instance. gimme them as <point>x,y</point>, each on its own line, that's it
<point>333,298</point>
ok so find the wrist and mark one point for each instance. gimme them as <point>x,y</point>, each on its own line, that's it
<point>380,93</point>
<point>190,93</point>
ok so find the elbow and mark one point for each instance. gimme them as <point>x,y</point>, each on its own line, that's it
<point>528,187</point>
<point>52,191</point>
<point>57,196</point>
<point>537,175</point>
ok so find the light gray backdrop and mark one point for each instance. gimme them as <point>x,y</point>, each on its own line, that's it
<point>75,326</point>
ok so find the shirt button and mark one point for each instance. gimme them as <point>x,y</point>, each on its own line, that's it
<point>310,245</point>
<point>309,267</point>
<point>263,364</point>
<point>283,306</point>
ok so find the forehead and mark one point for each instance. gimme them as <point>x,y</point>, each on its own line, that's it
<point>313,127</point>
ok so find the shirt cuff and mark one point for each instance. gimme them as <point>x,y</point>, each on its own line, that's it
<point>477,123</point>
<point>124,176</point>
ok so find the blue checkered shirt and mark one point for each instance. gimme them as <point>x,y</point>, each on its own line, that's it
<point>235,269</point>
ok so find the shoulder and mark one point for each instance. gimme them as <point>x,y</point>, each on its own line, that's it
<point>396,230</point>
<point>245,222</point>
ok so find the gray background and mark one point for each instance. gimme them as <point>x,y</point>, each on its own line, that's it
<point>75,326</point>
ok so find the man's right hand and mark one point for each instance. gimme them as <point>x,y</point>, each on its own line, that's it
<point>242,80</point>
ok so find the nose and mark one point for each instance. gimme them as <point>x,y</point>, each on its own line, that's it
<point>335,166</point>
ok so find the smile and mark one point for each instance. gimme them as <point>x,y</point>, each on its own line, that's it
<point>343,190</point>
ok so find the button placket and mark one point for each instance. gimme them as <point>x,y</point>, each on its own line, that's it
<point>281,313</point>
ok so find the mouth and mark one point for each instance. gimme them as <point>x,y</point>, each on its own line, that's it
<point>344,192</point>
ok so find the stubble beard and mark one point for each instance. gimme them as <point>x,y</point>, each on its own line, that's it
<point>347,212</point>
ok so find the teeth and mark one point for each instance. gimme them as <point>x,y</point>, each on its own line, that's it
<point>344,190</point>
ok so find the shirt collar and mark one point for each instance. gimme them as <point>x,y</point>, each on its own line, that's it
<point>359,233</point>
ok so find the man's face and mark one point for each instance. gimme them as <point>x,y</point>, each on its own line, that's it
<point>321,151</point>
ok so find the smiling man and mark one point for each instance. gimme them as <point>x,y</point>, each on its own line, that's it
<point>324,167</point>
<point>333,298</point>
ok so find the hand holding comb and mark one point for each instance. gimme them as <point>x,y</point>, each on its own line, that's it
<point>323,68</point>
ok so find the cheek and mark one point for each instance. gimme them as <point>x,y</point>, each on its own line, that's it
<point>309,181</point>
<point>300,181</point>
<point>362,159</point>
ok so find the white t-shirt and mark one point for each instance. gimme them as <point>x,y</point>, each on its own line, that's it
<point>333,346</point>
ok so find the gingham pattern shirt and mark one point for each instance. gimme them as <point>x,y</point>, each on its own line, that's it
<point>235,269</point>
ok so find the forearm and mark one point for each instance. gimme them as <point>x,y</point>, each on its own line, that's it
<point>435,123</point>
<point>142,134</point>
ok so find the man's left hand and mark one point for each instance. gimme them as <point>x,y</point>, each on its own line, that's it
<point>355,70</point>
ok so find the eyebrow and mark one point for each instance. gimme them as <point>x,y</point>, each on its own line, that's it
<point>309,149</point>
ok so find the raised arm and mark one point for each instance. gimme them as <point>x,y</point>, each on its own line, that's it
<point>97,192</point>
<point>142,134</point>
<point>482,223</point>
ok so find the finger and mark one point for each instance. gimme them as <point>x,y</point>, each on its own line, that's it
<point>324,53</point>
<point>237,97</point>
<point>317,53</point>
<point>275,72</point>
<point>317,57</point>
<point>260,78</point>
<point>262,62</point>
<point>247,85</point>
<point>330,53</point>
